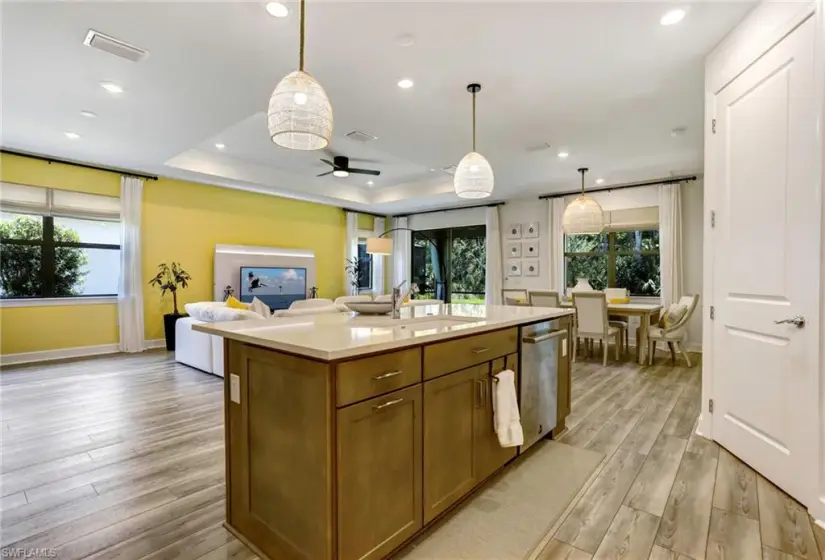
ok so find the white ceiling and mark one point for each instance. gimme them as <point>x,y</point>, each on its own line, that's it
<point>603,80</point>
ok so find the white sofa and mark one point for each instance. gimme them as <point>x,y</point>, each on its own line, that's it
<point>199,350</point>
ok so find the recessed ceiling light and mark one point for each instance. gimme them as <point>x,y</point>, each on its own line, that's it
<point>673,16</point>
<point>220,146</point>
<point>370,183</point>
<point>405,83</point>
<point>88,114</point>
<point>276,9</point>
<point>72,135</point>
<point>405,40</point>
<point>340,173</point>
<point>599,181</point>
<point>111,87</point>
<point>563,154</point>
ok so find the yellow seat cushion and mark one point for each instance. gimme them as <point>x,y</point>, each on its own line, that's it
<point>619,300</point>
<point>233,303</point>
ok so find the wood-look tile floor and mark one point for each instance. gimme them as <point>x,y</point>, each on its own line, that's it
<point>122,457</point>
<point>663,492</point>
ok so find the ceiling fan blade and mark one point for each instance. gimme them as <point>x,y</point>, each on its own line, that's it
<point>365,160</point>
<point>323,174</point>
<point>364,171</point>
<point>328,162</point>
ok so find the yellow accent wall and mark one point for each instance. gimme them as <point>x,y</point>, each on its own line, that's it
<point>183,222</point>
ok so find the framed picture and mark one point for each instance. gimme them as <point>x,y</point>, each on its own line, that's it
<point>531,268</point>
<point>531,249</point>
<point>531,230</point>
<point>514,268</point>
<point>513,250</point>
<point>514,231</point>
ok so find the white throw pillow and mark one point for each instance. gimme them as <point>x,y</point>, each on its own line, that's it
<point>260,308</point>
<point>217,312</point>
<point>202,309</point>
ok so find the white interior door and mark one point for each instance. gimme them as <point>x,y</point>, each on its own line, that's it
<point>767,243</point>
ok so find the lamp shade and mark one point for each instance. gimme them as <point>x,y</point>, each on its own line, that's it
<point>583,215</point>
<point>379,245</point>
<point>473,177</point>
<point>300,115</point>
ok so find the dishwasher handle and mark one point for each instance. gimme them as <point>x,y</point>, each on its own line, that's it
<point>543,337</point>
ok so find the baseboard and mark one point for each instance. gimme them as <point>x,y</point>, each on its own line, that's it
<point>59,354</point>
<point>76,352</point>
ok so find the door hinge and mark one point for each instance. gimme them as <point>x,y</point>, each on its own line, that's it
<point>713,126</point>
<point>713,218</point>
<point>710,406</point>
<point>712,313</point>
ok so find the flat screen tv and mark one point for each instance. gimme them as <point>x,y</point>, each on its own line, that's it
<point>277,287</point>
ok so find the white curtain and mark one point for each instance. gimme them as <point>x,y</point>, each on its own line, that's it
<point>493,280</point>
<point>130,286</point>
<point>670,242</point>
<point>352,250</point>
<point>555,221</point>
<point>401,248</point>
<point>378,260</point>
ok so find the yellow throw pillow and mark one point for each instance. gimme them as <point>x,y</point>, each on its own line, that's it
<point>619,300</point>
<point>233,303</point>
<point>673,315</point>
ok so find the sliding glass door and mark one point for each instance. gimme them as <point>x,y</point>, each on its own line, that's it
<point>449,264</point>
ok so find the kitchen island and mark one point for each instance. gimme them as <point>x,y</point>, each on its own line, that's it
<point>347,435</point>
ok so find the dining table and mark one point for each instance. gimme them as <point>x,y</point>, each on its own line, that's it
<point>644,311</point>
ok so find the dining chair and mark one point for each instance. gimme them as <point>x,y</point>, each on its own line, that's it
<point>517,297</point>
<point>674,335</point>
<point>543,298</point>
<point>618,320</point>
<point>591,314</point>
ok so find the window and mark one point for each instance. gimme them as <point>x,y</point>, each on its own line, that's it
<point>58,244</point>
<point>616,259</point>
<point>462,252</point>
<point>365,266</point>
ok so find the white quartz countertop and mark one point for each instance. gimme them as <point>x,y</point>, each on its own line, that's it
<point>336,336</point>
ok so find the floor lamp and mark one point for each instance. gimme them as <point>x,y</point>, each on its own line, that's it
<point>381,245</point>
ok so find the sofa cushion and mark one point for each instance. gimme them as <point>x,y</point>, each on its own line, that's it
<point>217,312</point>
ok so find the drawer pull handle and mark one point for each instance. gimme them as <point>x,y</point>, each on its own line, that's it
<point>480,350</point>
<point>387,404</point>
<point>387,375</point>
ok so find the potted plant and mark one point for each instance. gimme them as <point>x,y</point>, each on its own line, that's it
<point>354,271</point>
<point>169,279</point>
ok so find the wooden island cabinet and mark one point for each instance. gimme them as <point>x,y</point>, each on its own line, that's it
<point>349,459</point>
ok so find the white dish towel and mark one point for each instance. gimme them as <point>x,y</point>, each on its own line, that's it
<point>506,419</point>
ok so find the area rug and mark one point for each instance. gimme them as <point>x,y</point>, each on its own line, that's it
<point>506,520</point>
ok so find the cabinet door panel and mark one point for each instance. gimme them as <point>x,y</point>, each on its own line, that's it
<point>449,438</point>
<point>379,474</point>
<point>490,456</point>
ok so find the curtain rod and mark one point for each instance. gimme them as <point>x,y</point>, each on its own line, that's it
<point>364,213</point>
<point>50,160</point>
<point>619,186</point>
<point>490,205</point>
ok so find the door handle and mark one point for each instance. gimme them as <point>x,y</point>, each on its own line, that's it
<point>797,320</point>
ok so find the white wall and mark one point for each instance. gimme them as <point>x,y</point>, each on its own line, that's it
<point>450,218</point>
<point>521,211</point>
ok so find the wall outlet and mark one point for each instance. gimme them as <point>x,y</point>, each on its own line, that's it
<point>234,388</point>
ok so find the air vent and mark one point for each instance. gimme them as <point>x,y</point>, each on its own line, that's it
<point>99,41</point>
<point>362,137</point>
<point>539,148</point>
<point>451,169</point>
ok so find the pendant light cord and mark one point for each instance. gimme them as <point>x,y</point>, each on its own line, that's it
<point>583,170</point>
<point>474,121</point>
<point>301,44</point>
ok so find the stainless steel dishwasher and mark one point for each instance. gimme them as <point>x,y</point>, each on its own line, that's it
<point>542,346</point>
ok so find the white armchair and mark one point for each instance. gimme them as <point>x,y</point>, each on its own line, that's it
<point>673,335</point>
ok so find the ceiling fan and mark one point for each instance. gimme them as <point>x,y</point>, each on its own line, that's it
<point>340,168</point>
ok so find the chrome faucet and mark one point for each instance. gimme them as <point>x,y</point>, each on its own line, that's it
<point>396,300</point>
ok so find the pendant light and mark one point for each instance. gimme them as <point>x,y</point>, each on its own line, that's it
<point>300,115</point>
<point>473,176</point>
<point>583,215</point>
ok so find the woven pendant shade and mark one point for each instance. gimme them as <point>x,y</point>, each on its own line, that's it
<point>584,214</point>
<point>473,177</point>
<point>300,114</point>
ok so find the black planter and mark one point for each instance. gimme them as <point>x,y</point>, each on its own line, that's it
<point>169,321</point>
